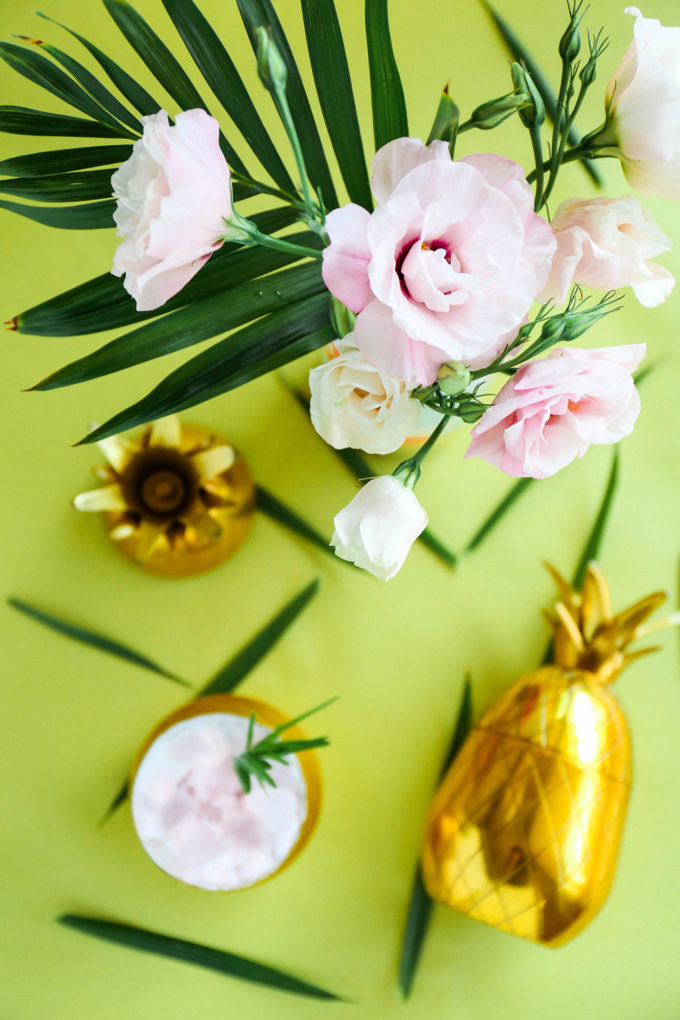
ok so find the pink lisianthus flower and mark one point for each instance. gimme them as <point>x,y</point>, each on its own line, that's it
<point>643,103</point>
<point>606,243</point>
<point>446,267</point>
<point>173,194</point>
<point>552,410</point>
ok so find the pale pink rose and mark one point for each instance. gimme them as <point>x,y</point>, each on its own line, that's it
<point>643,100</point>
<point>376,530</point>
<point>606,243</point>
<point>173,195</point>
<point>448,264</point>
<point>553,409</point>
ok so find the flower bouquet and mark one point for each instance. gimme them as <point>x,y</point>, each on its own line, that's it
<point>446,275</point>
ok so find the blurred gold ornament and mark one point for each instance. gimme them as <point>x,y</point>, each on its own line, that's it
<point>524,830</point>
<point>177,499</point>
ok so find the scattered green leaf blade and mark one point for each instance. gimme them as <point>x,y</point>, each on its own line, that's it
<point>93,639</point>
<point>71,187</point>
<point>91,84</point>
<point>420,904</point>
<point>387,95</point>
<point>118,800</point>
<point>89,216</point>
<point>278,511</point>
<point>594,541</point>
<point>56,161</point>
<point>334,89</point>
<point>191,952</point>
<point>497,514</point>
<point>20,120</point>
<point>245,660</point>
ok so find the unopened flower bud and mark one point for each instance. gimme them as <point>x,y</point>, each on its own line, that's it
<point>570,43</point>
<point>453,378</point>
<point>271,66</point>
<point>532,112</point>
<point>490,115</point>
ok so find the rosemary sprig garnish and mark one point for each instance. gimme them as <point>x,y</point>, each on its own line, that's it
<point>257,759</point>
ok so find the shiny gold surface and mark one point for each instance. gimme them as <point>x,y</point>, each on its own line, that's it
<point>178,499</point>
<point>268,716</point>
<point>525,828</point>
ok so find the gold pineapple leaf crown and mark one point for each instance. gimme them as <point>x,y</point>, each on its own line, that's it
<point>588,636</point>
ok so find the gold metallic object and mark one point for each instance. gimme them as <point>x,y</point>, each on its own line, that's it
<point>177,499</point>
<point>267,716</point>
<point>524,830</point>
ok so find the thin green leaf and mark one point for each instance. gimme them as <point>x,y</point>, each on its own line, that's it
<point>248,657</point>
<point>124,82</point>
<point>420,904</point>
<point>20,120</point>
<point>90,216</point>
<point>387,95</point>
<point>435,545</point>
<point>94,87</point>
<point>73,187</point>
<point>43,72</point>
<point>54,161</point>
<point>165,68</point>
<point>334,89</point>
<point>497,514</point>
<point>259,348</point>
<point>520,53</point>
<point>191,952</point>
<point>192,324</point>
<point>257,13</point>
<point>118,801</point>
<point>593,543</point>
<point>218,69</point>
<point>103,303</point>
<point>278,511</point>
<point>93,639</point>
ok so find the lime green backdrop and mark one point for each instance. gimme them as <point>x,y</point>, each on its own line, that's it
<point>395,654</point>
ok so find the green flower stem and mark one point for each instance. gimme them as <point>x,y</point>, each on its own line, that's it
<point>280,244</point>
<point>411,467</point>
<point>315,217</point>
<point>578,152</point>
<point>266,189</point>
<point>561,155</point>
<point>537,146</point>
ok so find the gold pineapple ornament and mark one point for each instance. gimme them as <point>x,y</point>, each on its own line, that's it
<point>525,828</point>
<point>177,499</point>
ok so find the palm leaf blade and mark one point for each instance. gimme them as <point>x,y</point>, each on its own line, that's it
<point>89,216</point>
<point>191,952</point>
<point>420,904</point>
<point>198,321</point>
<point>93,639</point>
<point>167,71</point>
<point>387,95</point>
<point>21,120</point>
<point>497,514</point>
<point>593,543</point>
<point>261,13</point>
<point>124,82</point>
<point>253,351</point>
<point>245,660</point>
<point>68,187</point>
<point>334,89</point>
<point>91,84</point>
<point>219,71</point>
<point>103,303</point>
<point>43,72</point>
<point>53,161</point>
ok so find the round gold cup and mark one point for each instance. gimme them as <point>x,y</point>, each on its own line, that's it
<point>267,716</point>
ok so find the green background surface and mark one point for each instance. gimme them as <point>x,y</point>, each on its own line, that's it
<point>395,653</point>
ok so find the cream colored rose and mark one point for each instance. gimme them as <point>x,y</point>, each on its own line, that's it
<point>354,404</point>
<point>607,243</point>
<point>643,100</point>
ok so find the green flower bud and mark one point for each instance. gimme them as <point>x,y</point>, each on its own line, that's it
<point>532,113</point>
<point>570,43</point>
<point>490,115</point>
<point>271,66</point>
<point>453,378</point>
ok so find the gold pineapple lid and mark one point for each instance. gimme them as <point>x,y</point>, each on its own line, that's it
<point>178,499</point>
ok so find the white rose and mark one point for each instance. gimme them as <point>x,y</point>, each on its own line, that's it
<point>643,99</point>
<point>354,404</point>
<point>376,530</point>
<point>606,243</point>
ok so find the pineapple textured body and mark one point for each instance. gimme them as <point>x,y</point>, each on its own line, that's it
<point>525,829</point>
